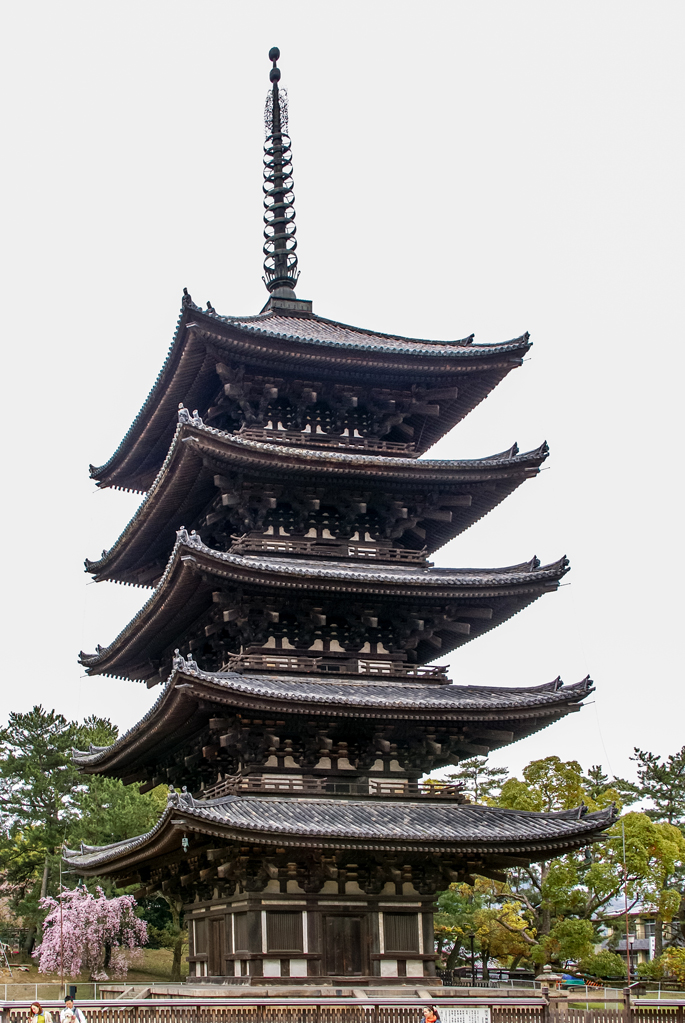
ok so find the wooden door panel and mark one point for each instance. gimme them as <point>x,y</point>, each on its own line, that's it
<point>216,948</point>
<point>344,946</point>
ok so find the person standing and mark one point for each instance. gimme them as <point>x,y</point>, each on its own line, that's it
<point>70,1014</point>
<point>36,1013</point>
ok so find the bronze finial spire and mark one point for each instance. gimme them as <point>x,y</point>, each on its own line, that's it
<point>280,264</point>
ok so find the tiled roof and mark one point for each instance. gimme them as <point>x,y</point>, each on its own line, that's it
<point>462,828</point>
<point>476,702</point>
<point>318,330</point>
<point>189,439</point>
<point>398,696</point>
<point>524,582</point>
<point>189,367</point>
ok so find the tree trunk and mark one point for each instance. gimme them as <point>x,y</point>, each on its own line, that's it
<point>175,908</point>
<point>658,935</point>
<point>46,874</point>
<point>453,956</point>
<point>545,913</point>
<point>485,959</point>
<point>176,962</point>
<point>30,940</point>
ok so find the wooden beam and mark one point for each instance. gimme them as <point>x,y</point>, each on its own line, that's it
<point>493,875</point>
<point>473,749</point>
<point>442,393</point>
<point>434,641</point>
<point>511,861</point>
<point>457,500</point>
<point>218,724</point>
<point>218,854</point>
<point>126,882</point>
<point>437,515</point>
<point>458,628</point>
<point>474,612</point>
<point>495,734</point>
<point>421,408</point>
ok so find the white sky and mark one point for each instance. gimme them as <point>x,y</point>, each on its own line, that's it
<point>459,166</point>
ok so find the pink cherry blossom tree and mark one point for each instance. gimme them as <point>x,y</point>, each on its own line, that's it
<point>94,933</point>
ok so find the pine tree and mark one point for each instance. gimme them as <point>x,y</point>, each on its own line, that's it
<point>660,783</point>
<point>478,779</point>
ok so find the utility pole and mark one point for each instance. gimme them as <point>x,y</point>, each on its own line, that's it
<point>61,928</point>
<point>625,899</point>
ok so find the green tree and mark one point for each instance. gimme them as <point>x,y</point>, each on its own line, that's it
<point>454,922</point>
<point>597,784</point>
<point>485,911</point>
<point>605,964</point>
<point>109,811</point>
<point>478,779</point>
<point>673,961</point>
<point>549,784</point>
<point>45,801</point>
<point>36,804</point>
<point>562,903</point>
<point>660,783</point>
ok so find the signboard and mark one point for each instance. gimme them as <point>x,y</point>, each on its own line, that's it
<point>465,1014</point>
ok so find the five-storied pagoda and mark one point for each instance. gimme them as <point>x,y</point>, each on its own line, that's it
<point>285,531</point>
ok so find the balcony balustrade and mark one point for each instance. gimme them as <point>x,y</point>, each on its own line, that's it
<point>304,438</point>
<point>310,785</point>
<point>278,661</point>
<point>324,549</point>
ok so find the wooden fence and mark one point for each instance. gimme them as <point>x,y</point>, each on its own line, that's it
<point>305,1010</point>
<point>355,1010</point>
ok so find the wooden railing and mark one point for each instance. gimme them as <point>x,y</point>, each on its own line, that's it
<point>322,549</point>
<point>310,785</point>
<point>278,661</point>
<point>216,1008</point>
<point>326,440</point>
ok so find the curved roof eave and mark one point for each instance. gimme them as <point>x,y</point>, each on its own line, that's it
<point>459,829</point>
<point>111,473</point>
<point>453,702</point>
<point>526,579</point>
<point>190,438</point>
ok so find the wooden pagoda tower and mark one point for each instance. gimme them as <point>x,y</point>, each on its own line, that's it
<point>285,533</point>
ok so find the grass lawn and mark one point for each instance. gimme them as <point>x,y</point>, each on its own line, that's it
<point>153,967</point>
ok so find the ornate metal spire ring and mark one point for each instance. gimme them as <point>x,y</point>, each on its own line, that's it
<point>280,263</point>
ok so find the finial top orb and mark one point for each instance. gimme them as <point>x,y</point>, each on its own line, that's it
<point>274,53</point>
<point>275,74</point>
